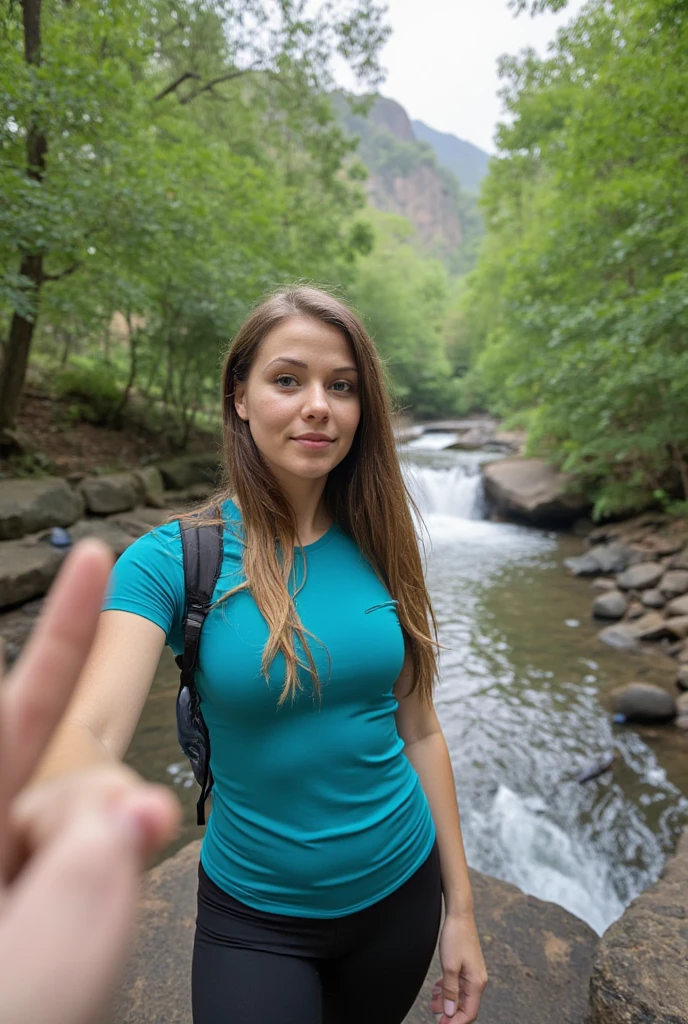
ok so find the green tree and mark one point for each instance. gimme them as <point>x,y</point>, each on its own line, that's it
<point>577,309</point>
<point>403,297</point>
<point>101,99</point>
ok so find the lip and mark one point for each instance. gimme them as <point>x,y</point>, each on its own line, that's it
<point>313,441</point>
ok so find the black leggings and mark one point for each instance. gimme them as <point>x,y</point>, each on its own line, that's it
<point>252,967</point>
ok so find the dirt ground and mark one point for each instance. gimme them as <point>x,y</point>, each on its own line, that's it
<point>61,447</point>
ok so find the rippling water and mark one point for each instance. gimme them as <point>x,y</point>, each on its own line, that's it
<point>521,700</point>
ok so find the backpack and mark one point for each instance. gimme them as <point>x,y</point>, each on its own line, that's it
<point>202,560</point>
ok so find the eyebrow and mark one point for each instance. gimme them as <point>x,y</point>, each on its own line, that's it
<point>304,366</point>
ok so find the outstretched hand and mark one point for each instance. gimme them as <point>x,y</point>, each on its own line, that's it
<point>457,994</point>
<point>68,879</point>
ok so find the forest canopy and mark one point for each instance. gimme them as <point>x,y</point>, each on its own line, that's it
<point>170,161</point>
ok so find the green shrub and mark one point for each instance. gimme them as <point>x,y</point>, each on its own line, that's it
<point>92,389</point>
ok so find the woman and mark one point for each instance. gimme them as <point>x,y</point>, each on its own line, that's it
<point>334,831</point>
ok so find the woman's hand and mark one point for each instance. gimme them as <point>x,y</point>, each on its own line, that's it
<point>71,850</point>
<point>457,994</point>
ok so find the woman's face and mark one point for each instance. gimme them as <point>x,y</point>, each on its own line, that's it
<point>301,399</point>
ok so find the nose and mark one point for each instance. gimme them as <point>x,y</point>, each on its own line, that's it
<point>315,405</point>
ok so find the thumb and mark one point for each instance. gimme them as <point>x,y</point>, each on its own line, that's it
<point>450,993</point>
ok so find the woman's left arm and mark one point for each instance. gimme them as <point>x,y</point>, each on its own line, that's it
<point>464,975</point>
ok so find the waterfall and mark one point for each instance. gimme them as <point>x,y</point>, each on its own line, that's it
<point>453,491</point>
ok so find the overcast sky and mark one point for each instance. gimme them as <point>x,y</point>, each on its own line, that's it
<point>441,59</point>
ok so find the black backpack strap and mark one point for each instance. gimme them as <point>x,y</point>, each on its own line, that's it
<point>202,561</point>
<point>202,554</point>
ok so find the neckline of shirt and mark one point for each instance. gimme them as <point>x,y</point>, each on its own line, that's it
<point>329,534</point>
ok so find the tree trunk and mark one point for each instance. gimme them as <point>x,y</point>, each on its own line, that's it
<point>21,330</point>
<point>17,353</point>
<point>133,353</point>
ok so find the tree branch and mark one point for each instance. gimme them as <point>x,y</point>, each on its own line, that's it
<point>216,81</point>
<point>175,85</point>
<point>63,273</point>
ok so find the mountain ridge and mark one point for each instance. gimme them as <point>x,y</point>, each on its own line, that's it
<point>406,178</point>
<point>467,161</point>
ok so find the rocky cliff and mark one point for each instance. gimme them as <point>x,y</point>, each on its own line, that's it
<point>407,179</point>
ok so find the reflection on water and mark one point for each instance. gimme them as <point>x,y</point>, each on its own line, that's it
<point>521,701</point>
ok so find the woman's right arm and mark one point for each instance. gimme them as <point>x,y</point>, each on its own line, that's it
<point>100,721</point>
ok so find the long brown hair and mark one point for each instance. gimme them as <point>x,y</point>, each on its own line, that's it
<point>365,495</point>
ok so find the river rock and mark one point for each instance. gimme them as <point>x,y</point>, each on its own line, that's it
<point>612,557</point>
<point>602,583</point>
<point>682,678</point>
<point>679,561</point>
<point>150,479</point>
<point>653,598</point>
<point>27,568</point>
<point>613,605</point>
<point>472,439</point>
<point>638,555</point>
<point>539,956</point>
<point>645,702</point>
<point>140,520</point>
<point>664,546</point>
<point>682,656</point>
<point>532,491</point>
<point>27,506</point>
<point>106,530</point>
<point>640,968</point>
<point>677,626</point>
<point>182,472</point>
<point>621,635</point>
<point>652,626</point>
<point>16,627</point>
<point>584,565</point>
<point>11,522</point>
<point>679,606</point>
<point>117,492</point>
<point>636,610</point>
<point>640,577</point>
<point>674,583</point>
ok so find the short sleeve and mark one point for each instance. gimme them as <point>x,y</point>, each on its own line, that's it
<point>148,580</point>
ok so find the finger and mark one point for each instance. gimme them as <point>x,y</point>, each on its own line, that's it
<point>469,1004</point>
<point>436,997</point>
<point>38,688</point>
<point>39,815</point>
<point>68,921</point>
<point>467,1007</point>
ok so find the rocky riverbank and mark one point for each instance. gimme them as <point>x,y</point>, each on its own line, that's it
<point>637,570</point>
<point>41,517</point>
<point>545,965</point>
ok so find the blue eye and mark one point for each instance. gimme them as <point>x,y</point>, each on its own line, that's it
<point>290,381</point>
<point>347,386</point>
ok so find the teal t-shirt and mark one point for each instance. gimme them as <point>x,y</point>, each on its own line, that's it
<point>316,810</point>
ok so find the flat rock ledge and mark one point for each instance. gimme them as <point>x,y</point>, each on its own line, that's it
<point>640,970</point>
<point>29,565</point>
<point>539,957</point>
<point>532,492</point>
